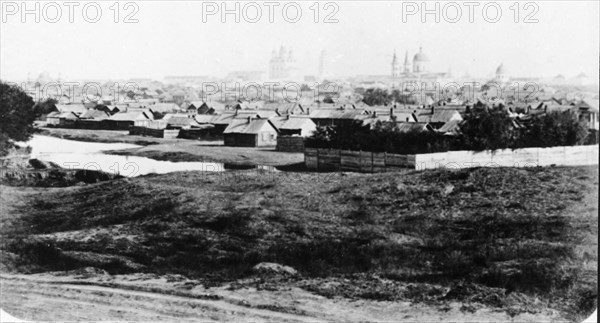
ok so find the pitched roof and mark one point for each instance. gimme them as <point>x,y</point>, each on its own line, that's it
<point>278,121</point>
<point>294,123</point>
<point>451,126</point>
<point>196,105</point>
<point>68,115</point>
<point>129,116</point>
<point>263,114</point>
<point>77,108</point>
<point>337,114</point>
<point>439,116</point>
<point>405,116</point>
<point>183,121</point>
<point>591,104</point>
<point>411,126</point>
<point>164,107</point>
<point>94,114</point>
<point>253,127</point>
<point>224,119</point>
<point>283,107</point>
<point>205,118</point>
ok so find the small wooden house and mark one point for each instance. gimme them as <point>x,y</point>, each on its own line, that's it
<point>250,133</point>
<point>125,120</point>
<point>64,119</point>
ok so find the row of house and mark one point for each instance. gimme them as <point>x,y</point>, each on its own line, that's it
<point>98,119</point>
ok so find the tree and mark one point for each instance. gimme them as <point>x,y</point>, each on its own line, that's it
<point>16,116</point>
<point>557,128</point>
<point>488,129</point>
<point>45,107</point>
<point>376,97</point>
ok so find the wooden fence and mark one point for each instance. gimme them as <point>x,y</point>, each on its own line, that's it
<point>355,161</point>
<point>159,133</point>
<point>290,144</point>
<point>369,162</point>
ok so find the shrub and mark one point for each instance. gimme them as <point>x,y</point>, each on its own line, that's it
<point>482,129</point>
<point>554,129</point>
<point>382,138</point>
<point>485,129</point>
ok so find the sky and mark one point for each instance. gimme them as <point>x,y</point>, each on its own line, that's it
<point>182,38</point>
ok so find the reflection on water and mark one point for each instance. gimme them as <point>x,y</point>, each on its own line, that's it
<point>88,155</point>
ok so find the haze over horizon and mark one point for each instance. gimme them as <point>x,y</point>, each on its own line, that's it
<point>564,41</point>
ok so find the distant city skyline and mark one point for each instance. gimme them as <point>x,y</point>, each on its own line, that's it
<point>564,41</point>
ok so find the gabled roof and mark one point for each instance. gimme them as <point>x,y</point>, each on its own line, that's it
<point>262,114</point>
<point>224,119</point>
<point>439,116</point>
<point>338,114</point>
<point>205,118</point>
<point>129,116</point>
<point>195,105</point>
<point>412,126</point>
<point>294,123</point>
<point>405,116</point>
<point>164,107</point>
<point>182,121</point>
<point>452,126</point>
<point>94,114</point>
<point>372,120</point>
<point>68,115</point>
<point>255,126</point>
<point>77,108</point>
<point>591,104</point>
<point>321,106</point>
<point>278,121</point>
<point>283,107</point>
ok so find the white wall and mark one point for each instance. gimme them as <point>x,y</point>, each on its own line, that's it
<point>526,157</point>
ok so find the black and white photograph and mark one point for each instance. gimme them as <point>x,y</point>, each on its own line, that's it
<point>299,161</point>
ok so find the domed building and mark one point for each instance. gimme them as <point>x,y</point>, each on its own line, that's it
<point>501,74</point>
<point>44,78</point>
<point>282,64</point>
<point>420,62</point>
<point>416,72</point>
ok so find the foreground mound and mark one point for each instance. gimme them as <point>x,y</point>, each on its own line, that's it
<point>509,238</point>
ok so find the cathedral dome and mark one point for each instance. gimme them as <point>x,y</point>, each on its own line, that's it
<point>501,70</point>
<point>420,56</point>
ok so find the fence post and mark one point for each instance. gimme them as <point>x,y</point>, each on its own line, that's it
<point>317,159</point>
<point>372,169</point>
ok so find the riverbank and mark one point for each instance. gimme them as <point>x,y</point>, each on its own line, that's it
<point>195,152</point>
<point>518,242</point>
<point>102,136</point>
<point>181,150</point>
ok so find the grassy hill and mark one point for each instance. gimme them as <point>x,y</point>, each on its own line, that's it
<point>515,239</point>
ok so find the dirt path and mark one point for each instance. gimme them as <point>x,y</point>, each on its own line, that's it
<point>65,298</point>
<point>35,299</point>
